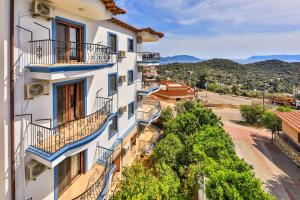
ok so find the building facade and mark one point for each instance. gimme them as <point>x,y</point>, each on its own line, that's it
<point>81,98</point>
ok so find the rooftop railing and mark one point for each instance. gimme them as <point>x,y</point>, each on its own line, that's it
<point>149,56</point>
<point>51,52</point>
<point>50,140</point>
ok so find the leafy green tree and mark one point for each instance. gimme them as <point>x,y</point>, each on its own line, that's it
<point>139,184</point>
<point>168,150</point>
<point>233,185</point>
<point>169,182</point>
<point>166,115</point>
<point>201,81</point>
<point>252,113</point>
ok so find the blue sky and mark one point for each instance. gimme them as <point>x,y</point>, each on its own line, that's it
<point>219,28</point>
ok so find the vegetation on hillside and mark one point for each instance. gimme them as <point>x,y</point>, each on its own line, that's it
<point>273,76</point>
<point>195,148</point>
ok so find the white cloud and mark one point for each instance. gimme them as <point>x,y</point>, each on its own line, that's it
<point>229,46</point>
<point>234,12</point>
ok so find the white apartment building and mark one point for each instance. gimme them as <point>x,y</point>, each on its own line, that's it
<point>80,91</point>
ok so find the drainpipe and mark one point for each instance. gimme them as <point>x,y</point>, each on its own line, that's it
<point>11,99</point>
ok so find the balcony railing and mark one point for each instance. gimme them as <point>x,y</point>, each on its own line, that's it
<point>148,109</point>
<point>95,190</point>
<point>146,86</point>
<point>149,57</point>
<point>50,140</point>
<point>51,52</point>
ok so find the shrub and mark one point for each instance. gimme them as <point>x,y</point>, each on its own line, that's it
<point>168,150</point>
<point>284,109</point>
<point>252,113</point>
<point>165,116</point>
<point>213,87</point>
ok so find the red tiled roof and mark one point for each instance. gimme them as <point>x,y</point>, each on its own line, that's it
<point>112,7</point>
<point>134,29</point>
<point>175,93</point>
<point>291,118</point>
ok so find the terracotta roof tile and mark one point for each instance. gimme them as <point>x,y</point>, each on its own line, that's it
<point>292,118</point>
<point>112,7</point>
<point>134,29</point>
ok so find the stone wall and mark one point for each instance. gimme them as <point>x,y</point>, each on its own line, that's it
<point>287,148</point>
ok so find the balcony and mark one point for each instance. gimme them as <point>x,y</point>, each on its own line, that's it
<point>49,56</point>
<point>49,143</point>
<point>148,111</point>
<point>90,185</point>
<point>145,88</point>
<point>148,58</point>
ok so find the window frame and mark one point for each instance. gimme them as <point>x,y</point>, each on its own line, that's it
<point>111,132</point>
<point>128,45</point>
<point>133,111</point>
<point>109,44</point>
<point>110,93</point>
<point>128,81</point>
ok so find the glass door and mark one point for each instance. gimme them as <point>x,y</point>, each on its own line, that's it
<point>70,102</point>
<point>69,170</point>
<point>69,41</point>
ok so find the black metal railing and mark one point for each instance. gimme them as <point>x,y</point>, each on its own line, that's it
<point>50,52</point>
<point>149,56</point>
<point>154,106</point>
<point>94,191</point>
<point>50,140</point>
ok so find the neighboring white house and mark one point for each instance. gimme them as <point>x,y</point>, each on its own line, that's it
<point>81,97</point>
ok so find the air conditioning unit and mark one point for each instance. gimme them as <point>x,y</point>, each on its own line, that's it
<point>139,39</point>
<point>34,169</point>
<point>122,54</point>
<point>122,110</point>
<point>122,79</point>
<point>36,89</point>
<point>41,9</point>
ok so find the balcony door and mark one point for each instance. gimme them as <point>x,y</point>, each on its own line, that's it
<point>69,42</point>
<point>69,170</point>
<point>70,102</point>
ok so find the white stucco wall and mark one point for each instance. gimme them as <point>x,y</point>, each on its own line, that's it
<point>42,107</point>
<point>5,189</point>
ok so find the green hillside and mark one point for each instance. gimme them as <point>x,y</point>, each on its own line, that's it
<point>272,75</point>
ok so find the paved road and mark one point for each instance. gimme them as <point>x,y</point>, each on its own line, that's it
<point>280,176</point>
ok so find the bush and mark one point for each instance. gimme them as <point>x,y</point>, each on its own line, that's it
<point>168,150</point>
<point>165,116</point>
<point>284,109</point>
<point>213,87</point>
<point>252,113</point>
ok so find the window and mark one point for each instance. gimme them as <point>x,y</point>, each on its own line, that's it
<point>112,39</point>
<point>113,128</point>
<point>130,45</point>
<point>112,84</point>
<point>130,77</point>
<point>130,110</point>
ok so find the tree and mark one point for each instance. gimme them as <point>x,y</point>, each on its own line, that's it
<point>168,150</point>
<point>202,80</point>
<point>165,116</point>
<point>139,184</point>
<point>252,113</point>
